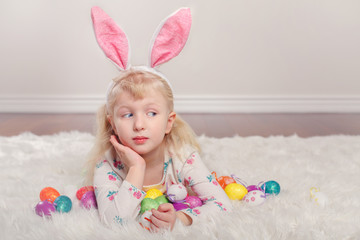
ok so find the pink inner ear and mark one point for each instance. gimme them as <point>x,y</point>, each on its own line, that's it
<point>110,37</point>
<point>171,38</point>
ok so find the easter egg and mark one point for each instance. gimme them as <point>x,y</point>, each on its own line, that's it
<point>145,220</point>
<point>225,180</point>
<point>255,197</point>
<point>271,187</point>
<point>252,188</point>
<point>147,204</point>
<point>153,193</point>
<point>176,192</point>
<point>161,199</point>
<point>180,206</point>
<point>88,200</point>
<point>83,190</point>
<point>63,204</point>
<point>49,194</point>
<point>235,191</point>
<point>318,197</point>
<point>193,201</point>
<point>44,208</point>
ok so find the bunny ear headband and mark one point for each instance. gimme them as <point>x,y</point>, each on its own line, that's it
<point>168,41</point>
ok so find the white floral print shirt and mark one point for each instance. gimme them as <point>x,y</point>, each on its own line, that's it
<point>118,200</point>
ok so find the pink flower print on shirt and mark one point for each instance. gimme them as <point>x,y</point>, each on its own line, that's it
<point>190,161</point>
<point>194,211</point>
<point>118,164</point>
<point>112,176</point>
<point>205,200</point>
<point>137,195</point>
<point>178,176</point>
<point>189,182</point>
<point>220,205</point>
<point>100,164</point>
<point>197,211</point>
<point>136,192</point>
<point>212,180</point>
<point>111,195</point>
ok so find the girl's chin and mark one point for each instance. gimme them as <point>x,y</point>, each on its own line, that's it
<point>139,150</point>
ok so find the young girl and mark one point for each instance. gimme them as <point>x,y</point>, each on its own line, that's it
<point>142,144</point>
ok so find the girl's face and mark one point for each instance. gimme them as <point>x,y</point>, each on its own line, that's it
<point>141,124</point>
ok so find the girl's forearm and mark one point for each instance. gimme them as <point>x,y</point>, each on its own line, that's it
<point>136,175</point>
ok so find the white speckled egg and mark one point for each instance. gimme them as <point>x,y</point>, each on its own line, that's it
<point>176,192</point>
<point>254,198</point>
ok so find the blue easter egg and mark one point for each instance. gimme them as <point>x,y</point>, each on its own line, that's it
<point>271,187</point>
<point>63,204</point>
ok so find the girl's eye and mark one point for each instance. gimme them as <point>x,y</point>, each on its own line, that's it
<point>151,114</point>
<point>128,115</point>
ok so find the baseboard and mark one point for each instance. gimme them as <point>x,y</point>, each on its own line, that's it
<point>268,104</point>
<point>191,104</point>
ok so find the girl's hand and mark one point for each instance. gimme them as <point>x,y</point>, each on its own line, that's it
<point>133,161</point>
<point>163,218</point>
<point>128,156</point>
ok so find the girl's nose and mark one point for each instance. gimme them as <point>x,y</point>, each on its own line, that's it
<point>139,124</point>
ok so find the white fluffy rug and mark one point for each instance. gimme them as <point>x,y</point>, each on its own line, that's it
<point>29,163</point>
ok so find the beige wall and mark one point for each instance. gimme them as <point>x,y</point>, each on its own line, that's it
<point>238,48</point>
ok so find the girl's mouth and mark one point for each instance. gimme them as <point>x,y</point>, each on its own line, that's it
<point>140,140</point>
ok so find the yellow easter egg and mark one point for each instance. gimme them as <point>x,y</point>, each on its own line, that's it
<point>153,193</point>
<point>235,191</point>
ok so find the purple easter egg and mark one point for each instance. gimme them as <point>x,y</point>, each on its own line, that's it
<point>180,206</point>
<point>193,201</point>
<point>88,200</point>
<point>44,208</point>
<point>253,188</point>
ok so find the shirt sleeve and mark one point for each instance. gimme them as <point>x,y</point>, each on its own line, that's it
<point>117,199</point>
<point>197,177</point>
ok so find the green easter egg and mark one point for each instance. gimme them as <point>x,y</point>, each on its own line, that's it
<point>148,204</point>
<point>161,199</point>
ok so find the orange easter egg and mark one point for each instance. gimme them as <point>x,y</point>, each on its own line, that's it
<point>83,190</point>
<point>49,194</point>
<point>225,180</point>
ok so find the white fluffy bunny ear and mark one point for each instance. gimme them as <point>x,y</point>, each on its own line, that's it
<point>111,39</point>
<point>170,37</point>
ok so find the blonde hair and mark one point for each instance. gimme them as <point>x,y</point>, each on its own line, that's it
<point>137,83</point>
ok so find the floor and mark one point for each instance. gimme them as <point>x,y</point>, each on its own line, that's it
<point>213,125</point>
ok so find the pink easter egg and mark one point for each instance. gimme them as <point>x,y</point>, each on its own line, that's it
<point>88,200</point>
<point>193,201</point>
<point>180,206</point>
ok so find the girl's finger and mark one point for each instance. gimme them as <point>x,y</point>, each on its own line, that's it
<point>116,144</point>
<point>158,223</point>
<point>166,207</point>
<point>165,212</point>
<point>154,228</point>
